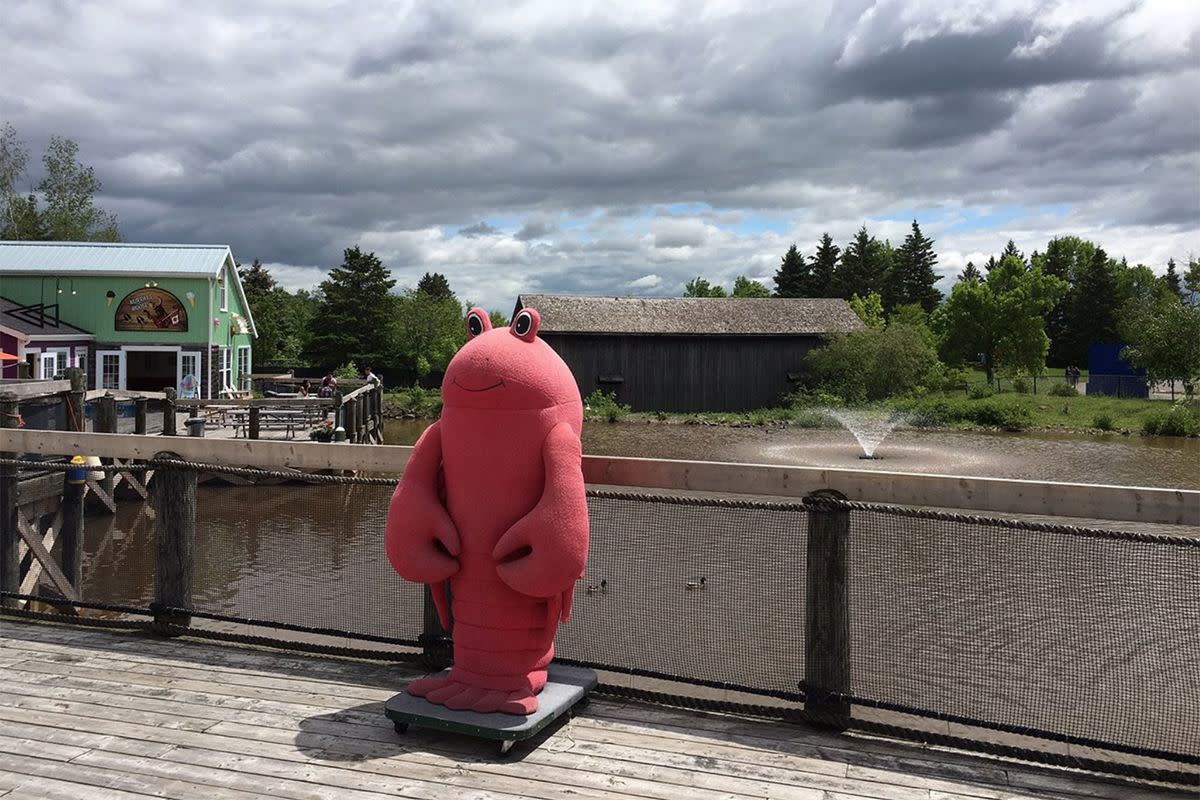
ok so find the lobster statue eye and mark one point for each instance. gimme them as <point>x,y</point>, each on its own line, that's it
<point>525,324</point>
<point>478,321</point>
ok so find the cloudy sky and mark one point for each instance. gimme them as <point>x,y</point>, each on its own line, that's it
<point>617,148</point>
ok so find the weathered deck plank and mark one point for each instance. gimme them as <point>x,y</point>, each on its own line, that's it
<point>87,713</point>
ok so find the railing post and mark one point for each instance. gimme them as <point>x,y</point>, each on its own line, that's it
<point>255,422</point>
<point>169,418</point>
<point>75,398</point>
<point>827,623</point>
<point>351,423</point>
<point>10,560</point>
<point>139,416</point>
<point>106,414</point>
<point>71,535</point>
<point>175,535</point>
<point>436,644</point>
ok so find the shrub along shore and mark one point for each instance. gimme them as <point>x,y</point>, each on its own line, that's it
<point>974,409</point>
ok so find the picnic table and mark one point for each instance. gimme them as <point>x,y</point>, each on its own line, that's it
<point>287,420</point>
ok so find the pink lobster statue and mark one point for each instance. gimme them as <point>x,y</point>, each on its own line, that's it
<point>493,501</point>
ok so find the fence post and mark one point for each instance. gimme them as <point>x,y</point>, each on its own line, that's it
<point>351,423</point>
<point>10,561</point>
<point>71,535</point>
<point>139,416</point>
<point>175,538</point>
<point>435,640</point>
<point>106,414</point>
<point>252,427</point>
<point>827,623</point>
<point>75,398</point>
<point>169,418</point>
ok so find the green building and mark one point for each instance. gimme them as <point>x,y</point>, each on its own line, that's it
<point>137,317</point>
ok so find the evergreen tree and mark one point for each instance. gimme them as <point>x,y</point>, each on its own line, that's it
<point>970,273</point>
<point>991,264</point>
<point>1172,278</point>
<point>744,287</point>
<point>1066,258</point>
<point>1095,307</point>
<point>794,278</point>
<point>863,268</point>
<point>1010,250</point>
<point>912,279</point>
<point>356,313</point>
<point>436,286</point>
<point>700,287</point>
<point>824,267</point>
<point>257,282</point>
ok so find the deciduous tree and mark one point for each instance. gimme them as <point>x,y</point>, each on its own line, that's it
<point>744,287</point>
<point>700,287</point>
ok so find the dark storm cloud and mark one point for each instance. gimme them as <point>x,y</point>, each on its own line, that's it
<point>478,229</point>
<point>535,229</point>
<point>293,130</point>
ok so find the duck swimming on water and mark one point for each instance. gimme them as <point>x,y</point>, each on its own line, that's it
<point>602,588</point>
<point>696,584</point>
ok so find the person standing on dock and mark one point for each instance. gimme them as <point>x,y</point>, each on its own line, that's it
<point>371,378</point>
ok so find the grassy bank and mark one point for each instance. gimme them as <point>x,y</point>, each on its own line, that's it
<point>955,410</point>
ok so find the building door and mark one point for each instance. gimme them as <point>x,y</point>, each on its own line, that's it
<point>189,374</point>
<point>110,369</point>
<point>148,370</point>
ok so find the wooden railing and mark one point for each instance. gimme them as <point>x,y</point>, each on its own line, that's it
<point>998,495</point>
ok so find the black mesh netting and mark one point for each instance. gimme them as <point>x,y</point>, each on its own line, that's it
<point>1088,636</point>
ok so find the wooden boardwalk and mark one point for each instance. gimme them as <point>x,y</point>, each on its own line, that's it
<point>87,713</point>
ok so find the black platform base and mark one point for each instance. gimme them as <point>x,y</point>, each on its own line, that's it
<point>566,688</point>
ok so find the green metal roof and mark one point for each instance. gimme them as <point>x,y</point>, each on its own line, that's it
<point>103,258</point>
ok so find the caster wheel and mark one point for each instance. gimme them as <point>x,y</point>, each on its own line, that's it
<point>401,727</point>
<point>505,747</point>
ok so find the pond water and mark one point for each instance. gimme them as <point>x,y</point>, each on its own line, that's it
<point>1163,461</point>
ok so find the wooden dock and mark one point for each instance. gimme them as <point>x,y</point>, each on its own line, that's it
<point>87,713</point>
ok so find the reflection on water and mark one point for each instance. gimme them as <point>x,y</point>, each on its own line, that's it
<point>1169,462</point>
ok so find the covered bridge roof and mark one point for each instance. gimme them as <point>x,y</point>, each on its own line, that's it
<point>729,316</point>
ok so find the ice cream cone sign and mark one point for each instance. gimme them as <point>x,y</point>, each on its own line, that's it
<point>108,298</point>
<point>191,298</point>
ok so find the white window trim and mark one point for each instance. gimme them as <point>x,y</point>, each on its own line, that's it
<point>241,374</point>
<point>223,282</point>
<point>120,354</point>
<point>224,368</point>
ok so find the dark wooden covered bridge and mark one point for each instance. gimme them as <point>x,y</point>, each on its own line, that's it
<point>688,354</point>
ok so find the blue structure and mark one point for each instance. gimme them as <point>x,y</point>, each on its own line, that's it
<point>1109,375</point>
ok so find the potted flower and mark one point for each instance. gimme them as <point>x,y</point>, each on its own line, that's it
<point>322,431</point>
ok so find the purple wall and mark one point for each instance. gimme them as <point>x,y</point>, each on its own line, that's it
<point>9,345</point>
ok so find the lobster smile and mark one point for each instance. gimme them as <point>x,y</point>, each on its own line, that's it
<point>495,385</point>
